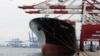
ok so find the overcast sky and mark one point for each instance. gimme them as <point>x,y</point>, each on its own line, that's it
<point>14,23</point>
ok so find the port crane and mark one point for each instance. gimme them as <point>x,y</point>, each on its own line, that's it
<point>89,11</point>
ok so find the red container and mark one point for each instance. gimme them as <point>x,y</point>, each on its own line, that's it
<point>89,32</point>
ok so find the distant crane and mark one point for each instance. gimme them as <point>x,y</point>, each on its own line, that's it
<point>15,43</point>
<point>33,42</point>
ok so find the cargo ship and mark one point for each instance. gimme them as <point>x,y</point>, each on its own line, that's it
<point>57,37</point>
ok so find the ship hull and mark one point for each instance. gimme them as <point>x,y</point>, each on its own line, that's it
<point>56,50</point>
<point>56,36</point>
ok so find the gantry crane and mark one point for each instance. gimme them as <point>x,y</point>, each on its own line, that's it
<point>89,10</point>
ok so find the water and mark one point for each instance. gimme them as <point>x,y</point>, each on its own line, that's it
<point>5,51</point>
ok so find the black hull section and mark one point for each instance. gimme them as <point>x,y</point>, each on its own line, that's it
<point>57,32</point>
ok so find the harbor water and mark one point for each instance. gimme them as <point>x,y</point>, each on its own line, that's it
<point>6,51</point>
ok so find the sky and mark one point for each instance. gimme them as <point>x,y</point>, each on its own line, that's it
<point>14,22</point>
